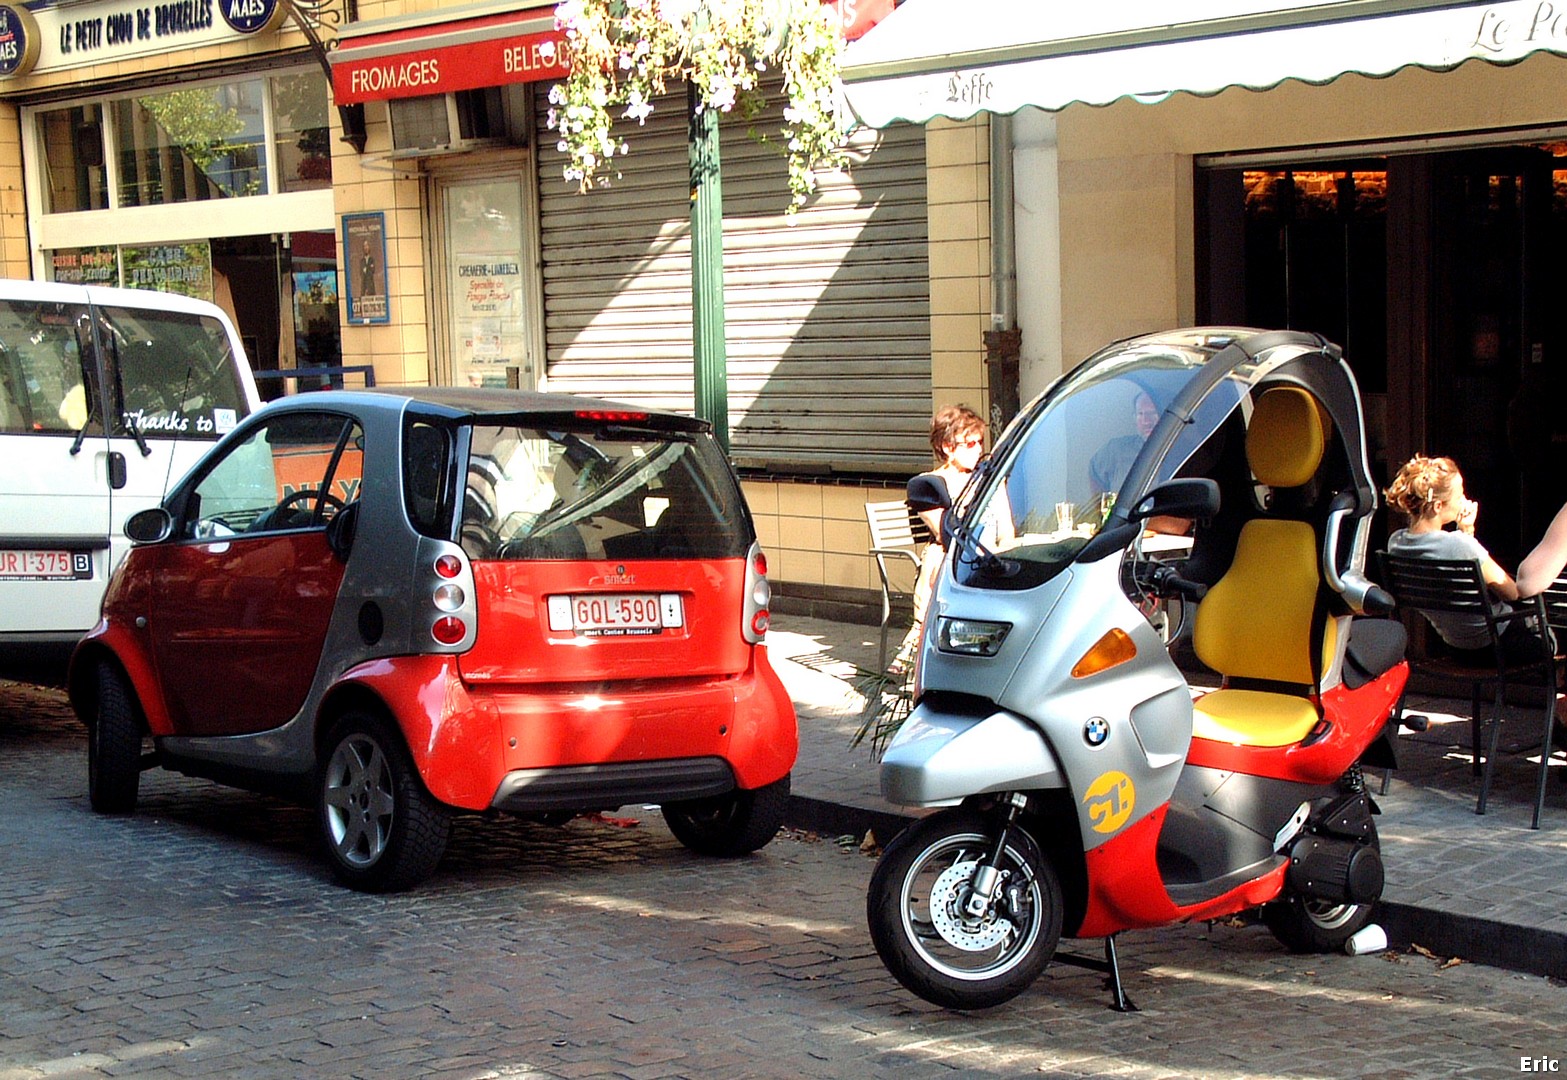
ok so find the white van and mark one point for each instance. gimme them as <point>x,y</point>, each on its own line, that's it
<point>107,396</point>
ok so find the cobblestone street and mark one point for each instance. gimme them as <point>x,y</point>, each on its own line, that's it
<point>202,936</point>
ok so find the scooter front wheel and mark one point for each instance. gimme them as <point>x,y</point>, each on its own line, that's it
<point>929,935</point>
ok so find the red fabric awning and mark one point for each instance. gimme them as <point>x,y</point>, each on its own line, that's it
<point>434,57</point>
<point>466,54</point>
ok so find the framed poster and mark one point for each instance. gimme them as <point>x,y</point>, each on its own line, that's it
<point>364,268</point>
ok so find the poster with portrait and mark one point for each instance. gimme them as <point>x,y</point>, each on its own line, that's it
<point>364,268</point>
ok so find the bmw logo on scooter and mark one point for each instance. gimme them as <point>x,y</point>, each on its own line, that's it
<point>1096,731</point>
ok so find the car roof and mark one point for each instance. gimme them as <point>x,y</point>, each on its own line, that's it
<point>471,403</point>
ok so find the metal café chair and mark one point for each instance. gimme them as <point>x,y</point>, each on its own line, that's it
<point>1437,585</point>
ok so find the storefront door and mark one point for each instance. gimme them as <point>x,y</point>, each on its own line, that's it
<point>1496,337</point>
<point>1436,272</point>
<point>485,247</point>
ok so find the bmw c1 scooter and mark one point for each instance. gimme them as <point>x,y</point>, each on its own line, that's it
<point>1083,790</point>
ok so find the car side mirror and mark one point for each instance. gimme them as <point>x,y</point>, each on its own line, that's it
<point>151,526</point>
<point>1197,497</point>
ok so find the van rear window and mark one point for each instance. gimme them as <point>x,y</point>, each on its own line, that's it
<point>600,493</point>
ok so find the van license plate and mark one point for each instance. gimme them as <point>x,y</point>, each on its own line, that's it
<point>45,565</point>
<point>616,614</point>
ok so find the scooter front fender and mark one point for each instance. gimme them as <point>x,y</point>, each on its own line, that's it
<point>941,757</point>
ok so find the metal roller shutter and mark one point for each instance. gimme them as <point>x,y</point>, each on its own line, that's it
<point>827,319</point>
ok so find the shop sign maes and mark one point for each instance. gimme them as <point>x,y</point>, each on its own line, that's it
<point>107,30</point>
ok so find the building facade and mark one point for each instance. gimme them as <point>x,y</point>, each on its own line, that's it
<point>1410,211</point>
<point>396,204</point>
<point>175,146</point>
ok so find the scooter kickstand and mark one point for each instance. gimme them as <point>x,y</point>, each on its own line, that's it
<point>1122,1003</point>
<point>1111,966</point>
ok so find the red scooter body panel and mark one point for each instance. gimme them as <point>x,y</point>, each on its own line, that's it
<point>1125,890</point>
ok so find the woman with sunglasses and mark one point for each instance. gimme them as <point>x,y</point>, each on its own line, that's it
<point>957,439</point>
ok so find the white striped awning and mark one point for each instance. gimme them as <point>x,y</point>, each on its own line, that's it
<point>933,58</point>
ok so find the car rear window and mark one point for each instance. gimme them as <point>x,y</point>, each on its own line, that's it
<point>600,493</point>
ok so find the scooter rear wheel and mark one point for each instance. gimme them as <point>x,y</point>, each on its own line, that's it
<point>931,944</point>
<point>1307,925</point>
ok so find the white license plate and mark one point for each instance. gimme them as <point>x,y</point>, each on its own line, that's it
<point>616,614</point>
<point>45,565</point>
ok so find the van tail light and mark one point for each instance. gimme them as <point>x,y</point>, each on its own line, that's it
<point>453,613</point>
<point>758,597</point>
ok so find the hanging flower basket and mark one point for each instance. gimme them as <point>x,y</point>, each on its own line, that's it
<point>622,53</point>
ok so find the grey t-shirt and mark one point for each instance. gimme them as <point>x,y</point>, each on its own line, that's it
<point>1459,631</point>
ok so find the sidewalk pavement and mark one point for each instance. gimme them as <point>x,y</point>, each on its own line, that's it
<point>1487,889</point>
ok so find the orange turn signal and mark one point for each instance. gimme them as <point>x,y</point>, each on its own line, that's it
<point>1114,648</point>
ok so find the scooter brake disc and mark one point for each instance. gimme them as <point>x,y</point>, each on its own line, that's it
<point>955,927</point>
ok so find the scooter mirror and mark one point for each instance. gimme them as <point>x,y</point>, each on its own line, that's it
<point>1192,498</point>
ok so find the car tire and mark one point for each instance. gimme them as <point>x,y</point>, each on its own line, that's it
<point>730,825</point>
<point>114,745</point>
<point>383,831</point>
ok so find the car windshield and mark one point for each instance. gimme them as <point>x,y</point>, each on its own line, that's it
<point>1084,446</point>
<point>607,492</point>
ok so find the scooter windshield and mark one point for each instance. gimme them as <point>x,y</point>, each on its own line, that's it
<point>1067,460</point>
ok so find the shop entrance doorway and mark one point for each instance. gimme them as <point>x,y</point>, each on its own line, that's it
<point>485,261</point>
<point>1434,271</point>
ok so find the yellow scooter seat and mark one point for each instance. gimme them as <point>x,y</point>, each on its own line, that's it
<point>1253,718</point>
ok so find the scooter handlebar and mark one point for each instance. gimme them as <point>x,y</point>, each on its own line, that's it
<point>1164,581</point>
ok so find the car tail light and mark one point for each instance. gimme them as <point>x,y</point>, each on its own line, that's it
<point>612,416</point>
<point>453,611</point>
<point>449,630</point>
<point>758,596</point>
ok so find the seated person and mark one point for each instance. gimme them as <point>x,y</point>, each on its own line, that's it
<point>1544,564</point>
<point>1430,491</point>
<point>1108,467</point>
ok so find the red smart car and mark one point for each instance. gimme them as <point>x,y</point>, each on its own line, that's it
<point>396,606</point>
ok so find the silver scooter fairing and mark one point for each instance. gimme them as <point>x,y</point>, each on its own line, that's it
<point>1046,727</point>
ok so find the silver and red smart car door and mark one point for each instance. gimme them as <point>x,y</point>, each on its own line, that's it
<point>238,628</point>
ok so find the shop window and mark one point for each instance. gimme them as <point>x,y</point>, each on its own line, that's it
<point>72,145</point>
<point>192,144</point>
<point>301,132</point>
<point>420,123</point>
<point>496,114</point>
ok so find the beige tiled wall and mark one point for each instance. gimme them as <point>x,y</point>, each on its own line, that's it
<point>13,206</point>
<point>957,156</point>
<point>399,349</point>
<point>816,533</point>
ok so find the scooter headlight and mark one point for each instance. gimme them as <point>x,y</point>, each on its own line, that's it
<point>970,637</point>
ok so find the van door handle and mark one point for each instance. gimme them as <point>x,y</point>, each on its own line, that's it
<point>116,461</point>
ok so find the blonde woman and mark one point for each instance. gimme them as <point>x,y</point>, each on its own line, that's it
<point>1430,491</point>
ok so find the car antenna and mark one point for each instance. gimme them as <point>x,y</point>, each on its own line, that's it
<point>169,469</point>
